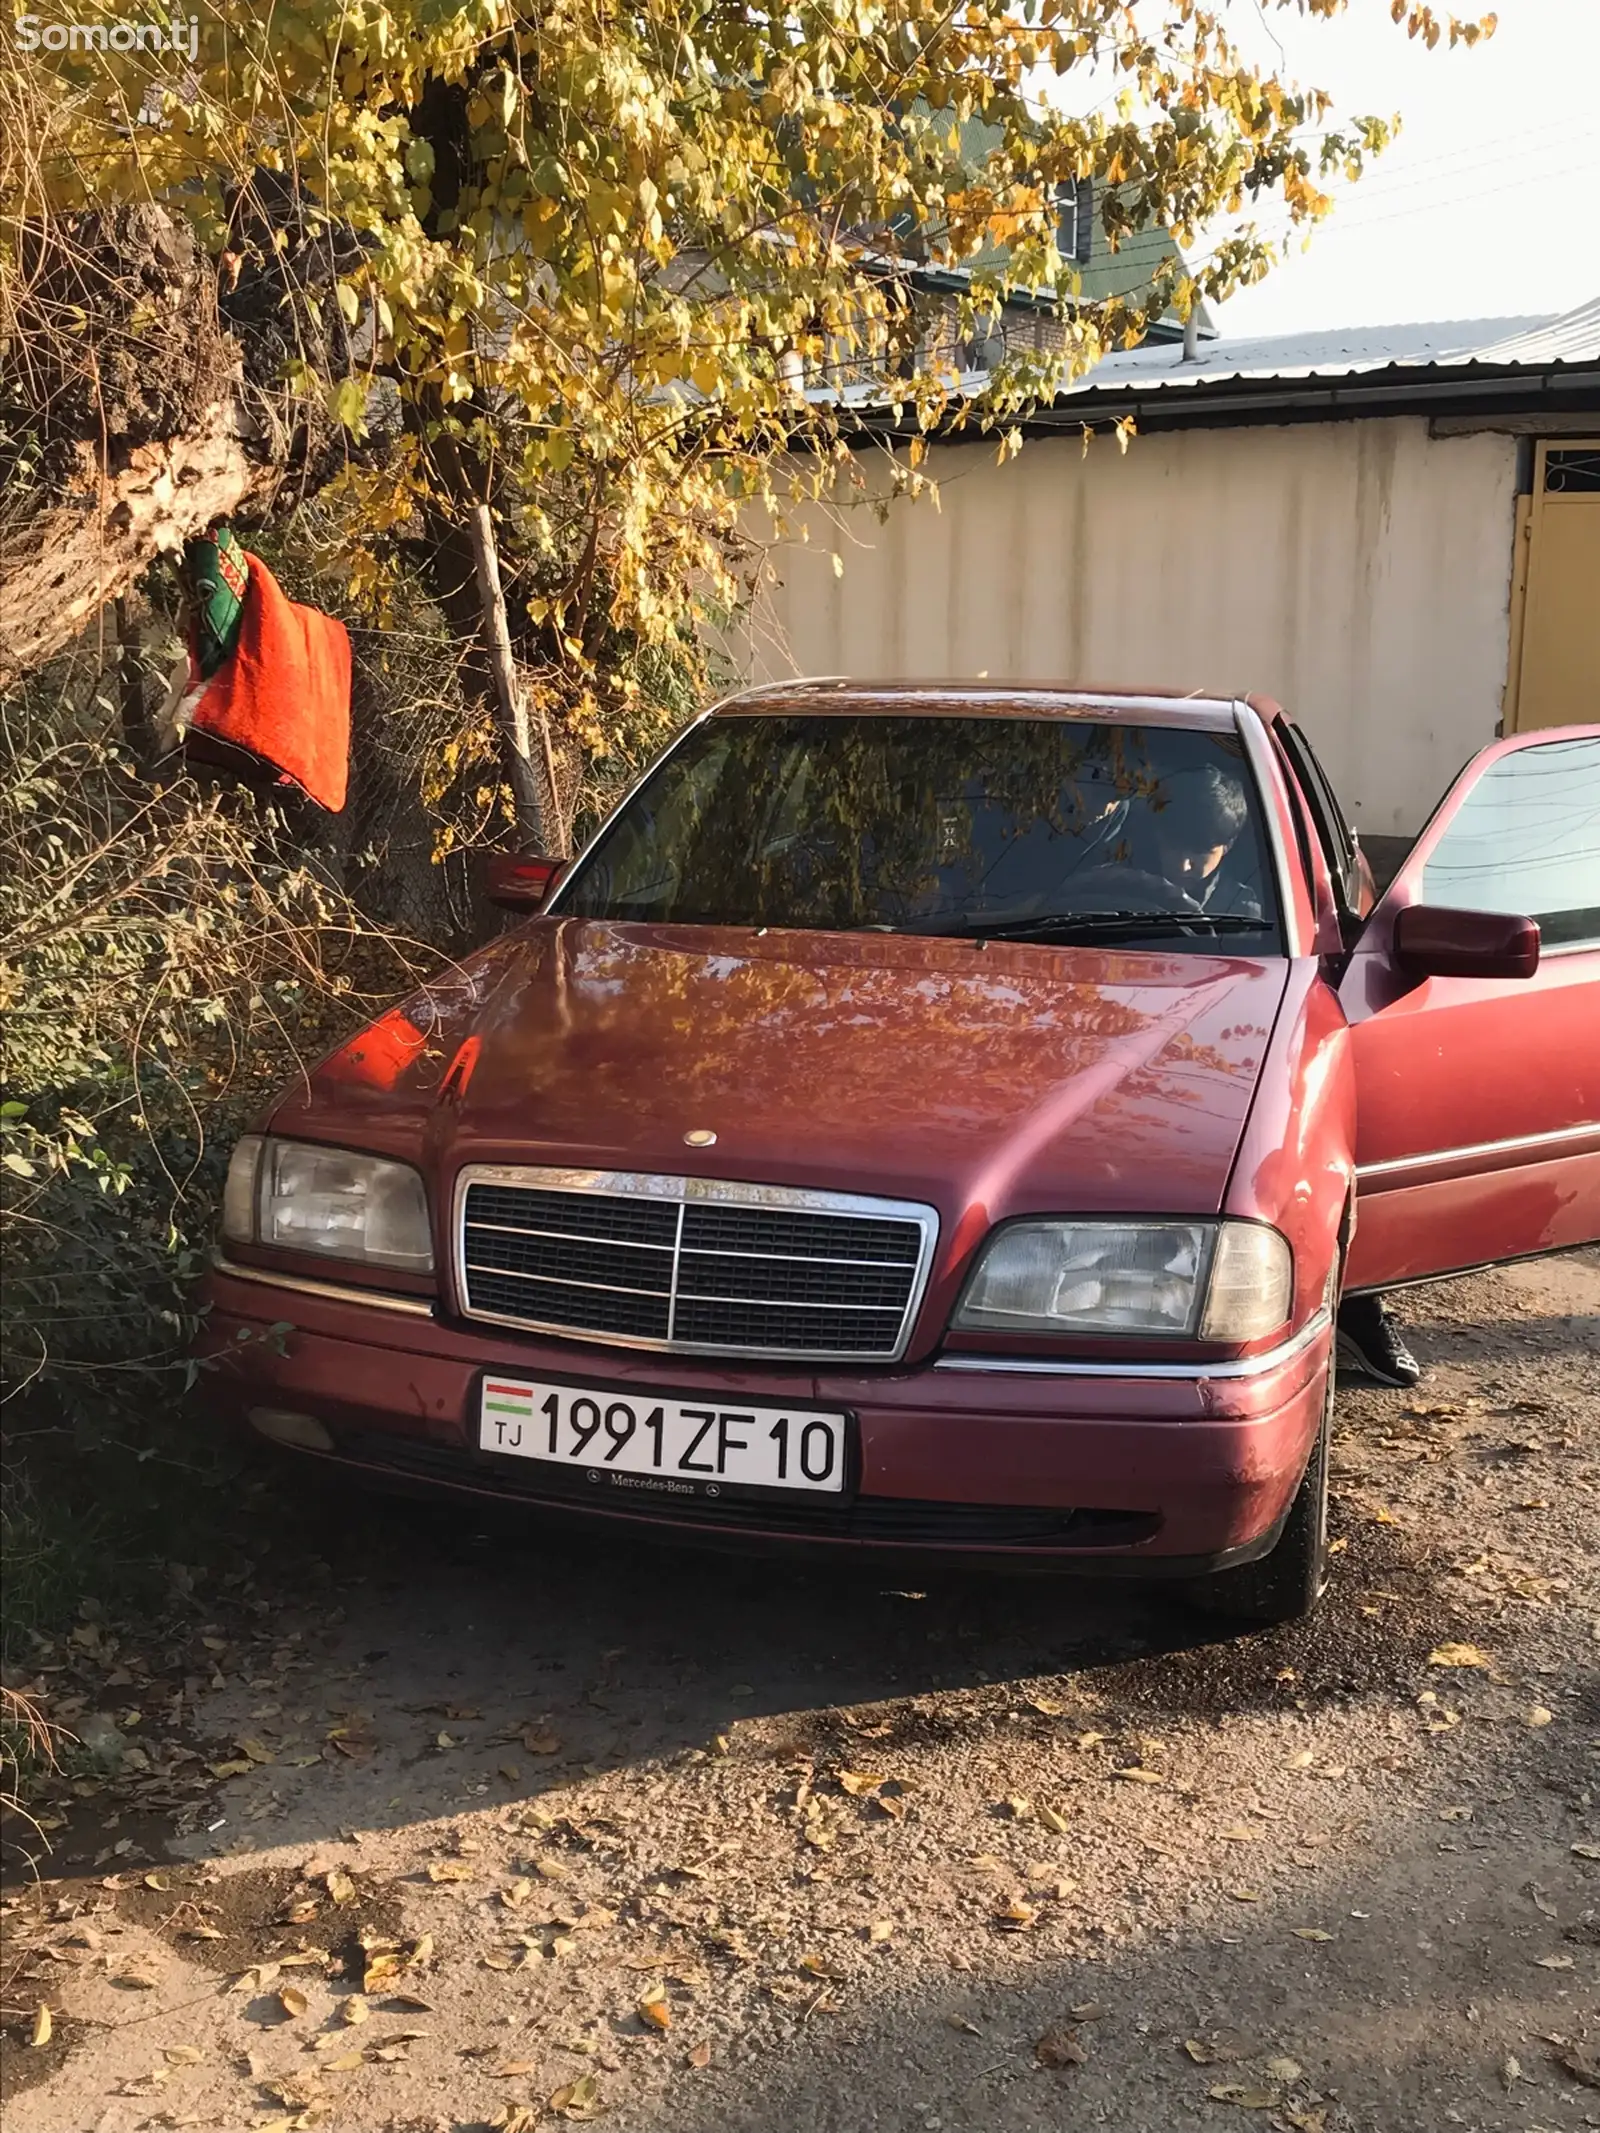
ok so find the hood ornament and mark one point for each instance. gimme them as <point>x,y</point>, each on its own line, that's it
<point>700,1137</point>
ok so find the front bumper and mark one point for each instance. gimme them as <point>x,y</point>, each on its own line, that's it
<point>1163,1470</point>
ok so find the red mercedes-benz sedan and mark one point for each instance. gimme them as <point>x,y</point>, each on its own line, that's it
<point>942,1119</point>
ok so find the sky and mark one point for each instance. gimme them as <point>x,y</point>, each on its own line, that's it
<point>1488,204</point>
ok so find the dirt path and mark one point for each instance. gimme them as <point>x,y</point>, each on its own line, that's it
<point>694,1843</point>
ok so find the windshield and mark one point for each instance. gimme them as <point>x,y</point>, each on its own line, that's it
<point>1025,828</point>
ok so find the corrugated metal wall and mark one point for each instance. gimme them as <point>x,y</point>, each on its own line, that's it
<point>1360,572</point>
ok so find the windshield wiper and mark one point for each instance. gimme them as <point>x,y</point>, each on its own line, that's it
<point>1095,925</point>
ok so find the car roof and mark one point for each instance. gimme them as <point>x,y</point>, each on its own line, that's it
<point>840,695</point>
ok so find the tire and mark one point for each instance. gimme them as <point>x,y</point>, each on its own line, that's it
<point>1285,1585</point>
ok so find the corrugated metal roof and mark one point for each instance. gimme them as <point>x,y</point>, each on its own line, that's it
<point>1515,361</point>
<point>1350,352</point>
<point>1572,337</point>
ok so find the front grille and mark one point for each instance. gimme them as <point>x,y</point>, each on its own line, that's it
<point>883,1521</point>
<point>690,1264</point>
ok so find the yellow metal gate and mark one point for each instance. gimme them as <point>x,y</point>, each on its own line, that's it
<point>1554,677</point>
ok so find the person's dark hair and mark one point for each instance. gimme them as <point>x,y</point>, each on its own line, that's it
<point>1208,808</point>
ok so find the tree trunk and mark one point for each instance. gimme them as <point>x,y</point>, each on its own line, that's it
<point>536,811</point>
<point>60,570</point>
<point>142,424</point>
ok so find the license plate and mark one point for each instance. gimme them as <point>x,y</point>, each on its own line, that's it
<point>661,1445</point>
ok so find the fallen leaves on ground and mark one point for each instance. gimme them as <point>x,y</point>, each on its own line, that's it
<point>386,1958</point>
<point>293,2002</point>
<point>42,2027</point>
<point>580,2099</point>
<point>1460,1655</point>
<point>1060,2048</point>
<point>701,2054</point>
<point>653,2008</point>
<point>1221,2047</point>
<point>295,2093</point>
<point>1581,2065</point>
<point>1015,1917</point>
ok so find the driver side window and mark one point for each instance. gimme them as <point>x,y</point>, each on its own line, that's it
<point>1526,840</point>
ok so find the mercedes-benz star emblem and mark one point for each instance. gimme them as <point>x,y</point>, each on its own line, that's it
<point>700,1137</point>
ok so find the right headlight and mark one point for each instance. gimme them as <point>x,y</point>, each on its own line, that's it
<point>301,1196</point>
<point>1211,1281</point>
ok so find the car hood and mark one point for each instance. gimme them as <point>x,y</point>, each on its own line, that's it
<point>987,1080</point>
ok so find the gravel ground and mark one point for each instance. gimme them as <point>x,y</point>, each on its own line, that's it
<point>688,1842</point>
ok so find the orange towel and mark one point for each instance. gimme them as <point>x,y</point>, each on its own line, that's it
<point>284,696</point>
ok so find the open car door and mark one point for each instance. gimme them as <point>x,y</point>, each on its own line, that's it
<point>1477,1034</point>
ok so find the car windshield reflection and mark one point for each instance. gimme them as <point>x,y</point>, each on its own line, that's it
<point>1015,828</point>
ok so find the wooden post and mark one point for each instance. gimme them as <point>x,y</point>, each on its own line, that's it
<point>511,702</point>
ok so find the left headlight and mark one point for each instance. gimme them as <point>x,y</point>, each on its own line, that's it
<point>301,1197</point>
<point>1214,1281</point>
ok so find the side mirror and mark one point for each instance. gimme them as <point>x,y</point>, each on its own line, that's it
<point>1431,942</point>
<point>520,881</point>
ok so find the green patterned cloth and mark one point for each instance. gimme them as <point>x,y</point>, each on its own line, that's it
<point>216,572</point>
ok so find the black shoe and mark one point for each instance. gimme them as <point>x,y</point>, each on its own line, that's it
<point>1369,1341</point>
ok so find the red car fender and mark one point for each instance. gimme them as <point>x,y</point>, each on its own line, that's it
<point>1295,1165</point>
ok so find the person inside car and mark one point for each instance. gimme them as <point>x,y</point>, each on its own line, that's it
<point>1194,840</point>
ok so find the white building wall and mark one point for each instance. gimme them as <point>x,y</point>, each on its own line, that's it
<point>1360,572</point>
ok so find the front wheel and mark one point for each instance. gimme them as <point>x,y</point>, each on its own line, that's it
<point>1285,1585</point>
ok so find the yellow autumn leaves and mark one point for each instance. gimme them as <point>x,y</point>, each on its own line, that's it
<point>595,240</point>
